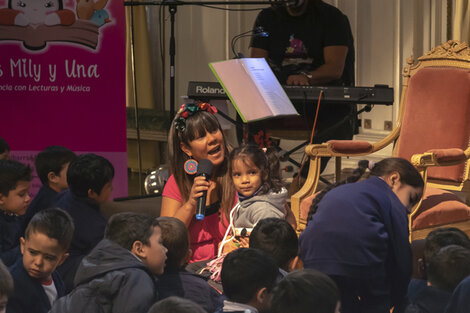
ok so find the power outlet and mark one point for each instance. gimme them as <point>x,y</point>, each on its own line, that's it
<point>367,123</point>
<point>388,125</point>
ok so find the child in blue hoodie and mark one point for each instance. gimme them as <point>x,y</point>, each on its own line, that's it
<point>358,235</point>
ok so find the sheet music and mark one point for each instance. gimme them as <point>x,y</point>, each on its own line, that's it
<point>253,89</point>
<point>268,85</point>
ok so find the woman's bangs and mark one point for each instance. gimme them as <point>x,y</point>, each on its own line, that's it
<point>198,125</point>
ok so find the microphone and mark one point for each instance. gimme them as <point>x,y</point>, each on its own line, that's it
<point>204,168</point>
<point>257,32</point>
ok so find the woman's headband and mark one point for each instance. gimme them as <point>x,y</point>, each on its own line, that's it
<point>189,109</point>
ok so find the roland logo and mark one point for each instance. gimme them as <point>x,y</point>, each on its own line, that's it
<point>209,90</point>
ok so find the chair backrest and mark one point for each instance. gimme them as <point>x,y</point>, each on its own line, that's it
<point>435,108</point>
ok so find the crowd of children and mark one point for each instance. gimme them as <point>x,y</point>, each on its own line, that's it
<point>60,254</point>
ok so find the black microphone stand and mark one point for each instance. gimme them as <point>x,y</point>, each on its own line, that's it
<point>172,6</point>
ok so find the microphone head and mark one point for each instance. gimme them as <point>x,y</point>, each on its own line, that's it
<point>204,167</point>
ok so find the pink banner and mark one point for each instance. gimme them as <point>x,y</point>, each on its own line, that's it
<point>62,79</point>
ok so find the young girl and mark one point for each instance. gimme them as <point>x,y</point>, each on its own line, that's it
<point>358,235</point>
<point>196,134</point>
<point>260,190</point>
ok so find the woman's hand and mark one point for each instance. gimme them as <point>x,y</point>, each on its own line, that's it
<point>200,185</point>
<point>185,211</point>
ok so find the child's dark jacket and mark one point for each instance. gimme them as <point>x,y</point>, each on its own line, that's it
<point>109,279</point>
<point>89,230</point>
<point>429,300</point>
<point>44,199</point>
<point>29,295</point>
<point>190,286</point>
<point>11,229</point>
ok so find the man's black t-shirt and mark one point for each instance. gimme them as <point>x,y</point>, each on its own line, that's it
<point>296,44</point>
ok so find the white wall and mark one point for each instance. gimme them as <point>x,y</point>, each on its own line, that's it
<point>386,33</point>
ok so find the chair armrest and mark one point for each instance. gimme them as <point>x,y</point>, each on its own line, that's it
<point>440,157</point>
<point>339,148</point>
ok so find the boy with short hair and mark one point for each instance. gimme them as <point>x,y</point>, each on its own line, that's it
<point>306,290</point>
<point>176,281</point>
<point>117,275</point>
<point>6,286</point>
<point>278,239</point>
<point>4,150</point>
<point>445,270</point>
<point>15,179</point>
<point>435,240</point>
<point>248,277</point>
<point>44,247</point>
<point>176,305</point>
<point>51,167</point>
<point>89,177</point>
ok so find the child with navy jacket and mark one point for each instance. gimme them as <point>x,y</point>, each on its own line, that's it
<point>51,167</point>
<point>176,281</point>
<point>248,278</point>
<point>44,247</point>
<point>358,235</point>
<point>89,177</point>
<point>445,269</point>
<point>15,179</point>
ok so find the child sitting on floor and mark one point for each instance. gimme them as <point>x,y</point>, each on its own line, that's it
<point>248,278</point>
<point>306,290</point>
<point>279,240</point>
<point>15,179</point>
<point>435,241</point>
<point>176,281</point>
<point>51,166</point>
<point>118,274</point>
<point>445,270</point>
<point>90,180</point>
<point>44,247</point>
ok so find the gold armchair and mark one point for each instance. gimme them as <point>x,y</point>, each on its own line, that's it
<point>434,117</point>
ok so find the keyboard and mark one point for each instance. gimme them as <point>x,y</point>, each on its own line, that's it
<point>379,94</point>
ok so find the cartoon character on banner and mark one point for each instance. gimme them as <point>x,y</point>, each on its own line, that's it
<point>37,21</point>
<point>93,11</point>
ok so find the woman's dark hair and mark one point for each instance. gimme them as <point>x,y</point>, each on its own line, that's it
<point>409,175</point>
<point>267,162</point>
<point>198,125</point>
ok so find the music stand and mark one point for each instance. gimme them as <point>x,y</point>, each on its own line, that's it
<point>172,7</point>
